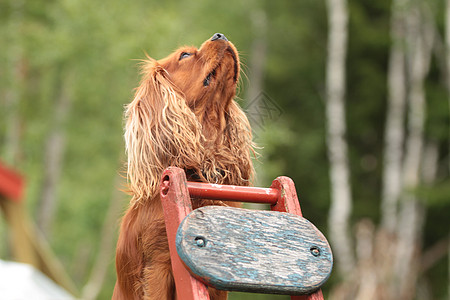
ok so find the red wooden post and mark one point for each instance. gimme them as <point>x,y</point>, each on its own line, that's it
<point>177,204</point>
<point>288,202</point>
<point>11,184</point>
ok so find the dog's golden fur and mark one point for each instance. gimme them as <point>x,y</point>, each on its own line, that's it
<point>183,114</point>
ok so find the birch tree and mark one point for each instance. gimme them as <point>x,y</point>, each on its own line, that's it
<point>394,130</point>
<point>258,56</point>
<point>53,156</point>
<point>341,198</point>
<point>447,48</point>
<point>258,53</point>
<point>411,214</point>
<point>15,75</point>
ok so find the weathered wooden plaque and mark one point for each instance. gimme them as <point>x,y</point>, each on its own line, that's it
<point>254,251</point>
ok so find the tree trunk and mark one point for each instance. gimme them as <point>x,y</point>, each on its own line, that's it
<point>15,77</point>
<point>256,70</point>
<point>254,92</point>
<point>53,157</point>
<point>447,51</point>
<point>341,198</point>
<point>367,287</point>
<point>257,54</point>
<point>411,215</point>
<point>394,134</point>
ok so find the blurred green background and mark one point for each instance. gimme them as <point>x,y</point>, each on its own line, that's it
<point>68,67</point>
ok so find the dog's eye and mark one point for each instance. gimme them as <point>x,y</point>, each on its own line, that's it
<point>184,55</point>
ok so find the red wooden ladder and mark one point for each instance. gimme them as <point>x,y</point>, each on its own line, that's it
<point>176,194</point>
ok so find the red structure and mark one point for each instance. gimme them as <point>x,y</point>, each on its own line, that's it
<point>11,184</point>
<point>175,196</point>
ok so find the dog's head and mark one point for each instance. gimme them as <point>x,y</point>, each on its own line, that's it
<point>207,76</point>
<point>183,110</point>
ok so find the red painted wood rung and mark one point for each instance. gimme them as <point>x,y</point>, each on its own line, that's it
<point>233,193</point>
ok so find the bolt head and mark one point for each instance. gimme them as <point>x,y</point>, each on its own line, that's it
<point>200,241</point>
<point>315,251</point>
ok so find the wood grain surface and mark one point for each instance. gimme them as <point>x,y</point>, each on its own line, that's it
<point>254,251</point>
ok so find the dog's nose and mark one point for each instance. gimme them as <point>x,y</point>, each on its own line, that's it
<point>219,36</point>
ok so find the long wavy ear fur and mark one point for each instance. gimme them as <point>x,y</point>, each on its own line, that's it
<point>160,131</point>
<point>238,136</point>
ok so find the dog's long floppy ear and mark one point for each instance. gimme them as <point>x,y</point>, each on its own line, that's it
<point>239,135</point>
<point>235,147</point>
<point>161,131</point>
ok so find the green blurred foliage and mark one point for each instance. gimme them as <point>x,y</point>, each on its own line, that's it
<point>92,48</point>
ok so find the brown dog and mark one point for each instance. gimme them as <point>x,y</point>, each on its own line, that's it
<point>183,115</point>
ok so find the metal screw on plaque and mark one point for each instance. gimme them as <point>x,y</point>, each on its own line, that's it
<point>315,251</point>
<point>200,241</point>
